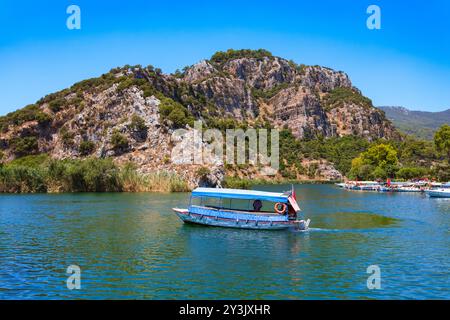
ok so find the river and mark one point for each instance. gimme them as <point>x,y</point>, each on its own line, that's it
<point>132,246</point>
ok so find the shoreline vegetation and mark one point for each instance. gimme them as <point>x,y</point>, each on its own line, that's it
<point>40,174</point>
<point>355,157</point>
<point>245,183</point>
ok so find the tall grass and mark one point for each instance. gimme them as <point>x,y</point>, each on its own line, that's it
<point>41,174</point>
<point>22,180</point>
<point>158,181</point>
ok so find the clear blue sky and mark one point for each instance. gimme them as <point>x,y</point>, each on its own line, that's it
<point>405,63</point>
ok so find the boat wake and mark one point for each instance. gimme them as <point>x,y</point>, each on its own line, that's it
<point>317,230</point>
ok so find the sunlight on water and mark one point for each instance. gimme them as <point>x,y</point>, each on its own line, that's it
<point>133,246</point>
<point>353,220</point>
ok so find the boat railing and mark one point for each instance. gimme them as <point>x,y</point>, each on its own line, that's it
<point>244,215</point>
<point>267,213</point>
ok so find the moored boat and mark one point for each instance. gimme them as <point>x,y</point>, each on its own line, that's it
<point>438,193</point>
<point>364,186</point>
<point>442,192</point>
<point>245,209</point>
<point>402,186</point>
<point>384,189</point>
<point>409,189</point>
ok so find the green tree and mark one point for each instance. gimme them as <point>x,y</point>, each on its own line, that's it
<point>378,173</point>
<point>118,140</point>
<point>86,147</point>
<point>379,161</point>
<point>359,170</point>
<point>408,173</point>
<point>441,171</point>
<point>66,137</point>
<point>56,105</point>
<point>222,57</point>
<point>202,172</point>
<point>442,140</point>
<point>172,111</point>
<point>24,146</point>
<point>339,96</point>
<point>380,155</point>
<point>413,151</point>
<point>137,123</point>
<point>177,117</point>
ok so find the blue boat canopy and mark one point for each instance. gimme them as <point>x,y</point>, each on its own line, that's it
<point>241,194</point>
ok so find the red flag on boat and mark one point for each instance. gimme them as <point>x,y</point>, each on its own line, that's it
<point>293,193</point>
<point>388,182</point>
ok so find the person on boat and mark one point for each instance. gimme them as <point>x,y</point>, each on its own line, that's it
<point>291,212</point>
<point>257,205</point>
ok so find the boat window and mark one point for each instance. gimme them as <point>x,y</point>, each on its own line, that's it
<point>237,204</point>
<point>267,206</point>
<point>246,205</point>
<point>211,202</point>
<point>196,201</point>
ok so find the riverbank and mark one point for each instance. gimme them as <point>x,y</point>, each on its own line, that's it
<point>40,174</point>
<point>245,183</point>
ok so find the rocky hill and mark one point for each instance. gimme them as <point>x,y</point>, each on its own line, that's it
<point>129,113</point>
<point>420,124</point>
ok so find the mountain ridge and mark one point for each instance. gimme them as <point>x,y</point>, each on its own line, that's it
<point>421,124</point>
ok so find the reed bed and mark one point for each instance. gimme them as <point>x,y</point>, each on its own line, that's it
<point>35,174</point>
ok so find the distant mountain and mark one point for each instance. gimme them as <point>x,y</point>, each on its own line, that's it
<point>421,124</point>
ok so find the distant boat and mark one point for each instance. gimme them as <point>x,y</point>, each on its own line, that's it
<point>443,192</point>
<point>245,209</point>
<point>410,188</point>
<point>437,189</point>
<point>364,186</point>
<point>384,189</point>
<point>370,186</point>
<point>438,193</point>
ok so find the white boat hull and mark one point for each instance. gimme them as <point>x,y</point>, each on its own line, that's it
<point>438,193</point>
<point>215,221</point>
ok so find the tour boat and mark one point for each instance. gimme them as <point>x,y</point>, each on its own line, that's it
<point>443,192</point>
<point>438,193</point>
<point>408,186</point>
<point>374,186</point>
<point>364,186</point>
<point>384,189</point>
<point>409,189</point>
<point>245,209</point>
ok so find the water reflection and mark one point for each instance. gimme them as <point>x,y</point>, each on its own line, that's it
<point>133,246</point>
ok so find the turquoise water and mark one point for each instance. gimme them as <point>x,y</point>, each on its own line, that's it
<point>133,246</point>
